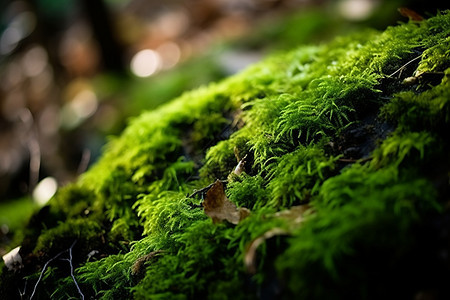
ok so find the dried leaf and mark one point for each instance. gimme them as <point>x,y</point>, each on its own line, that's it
<point>218,207</point>
<point>294,217</point>
<point>250,254</point>
<point>13,260</point>
<point>411,14</point>
<point>240,166</point>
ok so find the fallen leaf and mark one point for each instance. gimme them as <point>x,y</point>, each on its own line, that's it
<point>13,260</point>
<point>250,254</point>
<point>294,217</point>
<point>411,14</point>
<point>240,166</point>
<point>218,207</point>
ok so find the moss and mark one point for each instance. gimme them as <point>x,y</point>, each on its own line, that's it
<point>362,243</point>
<point>248,191</point>
<point>427,110</point>
<point>435,59</point>
<point>297,117</point>
<point>86,232</point>
<point>297,176</point>
<point>410,146</point>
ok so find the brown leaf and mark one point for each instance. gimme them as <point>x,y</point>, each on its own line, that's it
<point>250,253</point>
<point>218,207</point>
<point>294,217</point>
<point>411,14</point>
<point>13,260</point>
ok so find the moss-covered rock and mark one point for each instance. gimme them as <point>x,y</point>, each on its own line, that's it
<point>343,154</point>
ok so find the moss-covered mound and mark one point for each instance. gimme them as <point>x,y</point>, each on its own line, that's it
<point>322,173</point>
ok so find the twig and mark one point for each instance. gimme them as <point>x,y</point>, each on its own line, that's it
<point>402,67</point>
<point>22,294</point>
<point>351,160</point>
<point>43,270</point>
<point>71,270</point>
<point>204,190</point>
<point>48,262</point>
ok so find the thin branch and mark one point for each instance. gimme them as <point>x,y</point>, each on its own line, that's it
<point>48,262</point>
<point>404,66</point>
<point>71,271</point>
<point>43,270</point>
<point>22,294</point>
<point>351,160</point>
<point>204,190</point>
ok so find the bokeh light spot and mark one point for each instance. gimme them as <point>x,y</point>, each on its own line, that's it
<point>20,27</point>
<point>45,190</point>
<point>9,40</point>
<point>170,54</point>
<point>145,63</point>
<point>34,61</point>
<point>357,10</point>
<point>84,104</point>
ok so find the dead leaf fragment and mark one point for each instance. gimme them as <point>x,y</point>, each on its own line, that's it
<point>240,166</point>
<point>293,216</point>
<point>250,254</point>
<point>13,260</point>
<point>218,207</point>
<point>411,14</point>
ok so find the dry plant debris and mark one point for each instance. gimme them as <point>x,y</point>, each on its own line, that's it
<point>219,208</point>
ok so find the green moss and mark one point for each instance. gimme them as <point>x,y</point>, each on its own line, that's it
<point>297,117</point>
<point>427,110</point>
<point>435,59</point>
<point>297,176</point>
<point>86,232</point>
<point>166,212</point>
<point>108,278</point>
<point>400,147</point>
<point>362,240</point>
<point>248,191</point>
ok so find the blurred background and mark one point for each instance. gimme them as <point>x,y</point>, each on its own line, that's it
<point>72,72</point>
